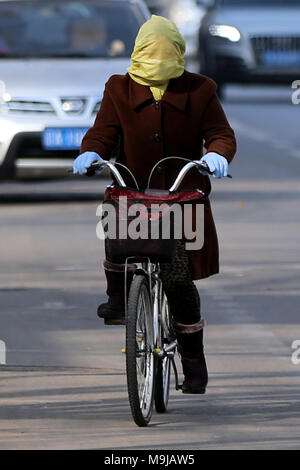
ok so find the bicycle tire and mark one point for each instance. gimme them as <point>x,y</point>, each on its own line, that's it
<point>162,388</point>
<point>163,374</point>
<point>140,358</point>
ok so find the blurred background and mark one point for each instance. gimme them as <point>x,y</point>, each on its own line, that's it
<point>63,367</point>
<point>55,58</point>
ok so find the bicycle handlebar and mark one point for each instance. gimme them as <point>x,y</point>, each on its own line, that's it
<point>98,166</point>
<point>187,167</point>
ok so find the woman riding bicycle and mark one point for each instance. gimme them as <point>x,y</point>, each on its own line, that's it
<point>159,109</point>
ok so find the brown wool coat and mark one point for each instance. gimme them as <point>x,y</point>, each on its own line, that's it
<point>188,116</point>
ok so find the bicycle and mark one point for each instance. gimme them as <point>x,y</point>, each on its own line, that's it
<point>150,339</point>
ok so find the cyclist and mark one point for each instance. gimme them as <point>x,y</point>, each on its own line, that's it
<point>159,109</point>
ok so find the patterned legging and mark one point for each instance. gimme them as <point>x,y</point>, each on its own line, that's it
<point>183,296</point>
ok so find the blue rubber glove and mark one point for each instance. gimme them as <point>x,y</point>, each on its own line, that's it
<point>216,163</point>
<point>84,161</point>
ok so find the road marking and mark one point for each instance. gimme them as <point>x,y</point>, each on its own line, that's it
<point>54,305</point>
<point>264,136</point>
<point>71,268</point>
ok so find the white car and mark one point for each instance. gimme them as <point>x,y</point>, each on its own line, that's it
<point>55,58</point>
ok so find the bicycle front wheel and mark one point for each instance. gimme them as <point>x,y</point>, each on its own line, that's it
<point>140,360</point>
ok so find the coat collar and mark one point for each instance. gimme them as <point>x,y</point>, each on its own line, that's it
<point>176,94</point>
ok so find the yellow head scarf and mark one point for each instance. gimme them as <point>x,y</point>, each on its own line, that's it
<point>158,55</point>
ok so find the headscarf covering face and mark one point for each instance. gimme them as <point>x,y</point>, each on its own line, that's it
<point>158,55</point>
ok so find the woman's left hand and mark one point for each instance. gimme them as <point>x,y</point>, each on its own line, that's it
<point>217,164</point>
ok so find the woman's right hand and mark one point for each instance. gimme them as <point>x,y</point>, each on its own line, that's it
<point>84,161</point>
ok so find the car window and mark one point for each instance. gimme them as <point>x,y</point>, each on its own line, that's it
<point>68,28</point>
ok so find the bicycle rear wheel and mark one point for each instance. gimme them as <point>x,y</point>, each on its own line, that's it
<point>163,375</point>
<point>140,360</point>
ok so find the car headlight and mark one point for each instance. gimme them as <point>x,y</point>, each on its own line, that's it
<point>225,31</point>
<point>73,105</point>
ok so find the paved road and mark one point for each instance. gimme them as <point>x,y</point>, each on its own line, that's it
<point>64,384</point>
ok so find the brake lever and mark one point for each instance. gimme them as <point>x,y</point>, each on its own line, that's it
<point>93,168</point>
<point>89,171</point>
<point>204,166</point>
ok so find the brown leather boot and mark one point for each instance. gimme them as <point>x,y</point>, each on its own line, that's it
<point>190,348</point>
<point>113,311</point>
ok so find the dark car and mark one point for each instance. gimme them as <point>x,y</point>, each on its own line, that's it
<point>246,41</point>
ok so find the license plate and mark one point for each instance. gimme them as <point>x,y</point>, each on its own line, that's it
<point>63,138</point>
<point>281,58</point>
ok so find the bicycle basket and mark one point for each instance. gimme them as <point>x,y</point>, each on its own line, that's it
<point>144,223</point>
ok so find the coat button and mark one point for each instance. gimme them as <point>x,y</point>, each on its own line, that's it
<point>156,137</point>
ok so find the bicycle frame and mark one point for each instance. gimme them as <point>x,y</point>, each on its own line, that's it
<point>151,271</point>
